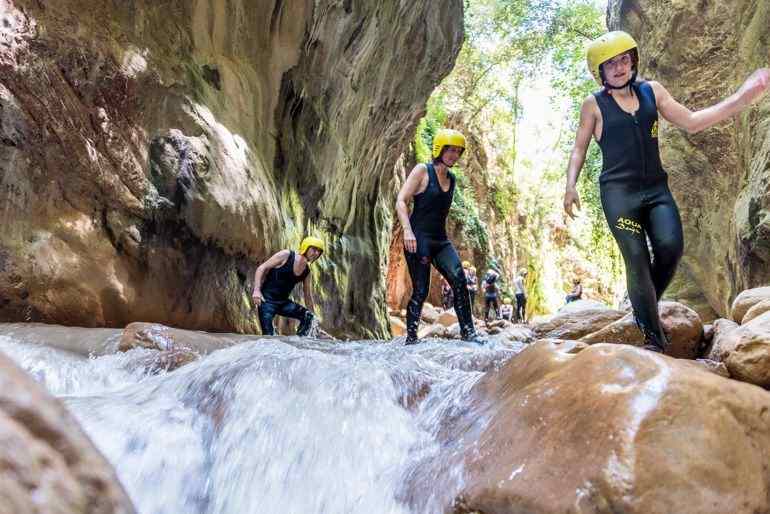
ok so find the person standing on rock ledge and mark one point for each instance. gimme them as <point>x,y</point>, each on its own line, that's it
<point>431,186</point>
<point>274,281</point>
<point>623,118</point>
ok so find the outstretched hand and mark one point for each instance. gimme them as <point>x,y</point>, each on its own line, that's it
<point>755,86</point>
<point>571,198</point>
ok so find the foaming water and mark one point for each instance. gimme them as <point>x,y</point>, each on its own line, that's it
<point>278,425</point>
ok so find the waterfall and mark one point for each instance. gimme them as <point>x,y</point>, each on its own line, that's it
<point>280,424</point>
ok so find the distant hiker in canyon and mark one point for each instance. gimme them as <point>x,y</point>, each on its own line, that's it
<point>431,186</point>
<point>623,118</point>
<point>491,292</point>
<point>521,297</point>
<point>274,281</point>
<point>473,282</point>
<point>506,311</point>
<point>576,293</point>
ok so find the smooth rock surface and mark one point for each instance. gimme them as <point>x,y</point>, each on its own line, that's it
<point>49,466</point>
<point>576,324</point>
<point>614,429</point>
<point>682,324</point>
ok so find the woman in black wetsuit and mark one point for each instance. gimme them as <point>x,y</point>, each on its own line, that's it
<point>623,118</point>
<point>431,186</point>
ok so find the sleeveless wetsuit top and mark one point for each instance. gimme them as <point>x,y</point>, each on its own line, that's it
<point>280,281</point>
<point>629,142</point>
<point>431,207</point>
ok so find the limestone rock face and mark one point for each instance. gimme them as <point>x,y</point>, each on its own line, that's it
<point>49,465</point>
<point>152,153</point>
<point>701,52</point>
<point>545,449</point>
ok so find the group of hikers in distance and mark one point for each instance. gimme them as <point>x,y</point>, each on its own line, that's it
<point>622,116</point>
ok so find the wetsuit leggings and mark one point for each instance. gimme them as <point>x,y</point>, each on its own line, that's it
<point>491,301</point>
<point>521,307</point>
<point>443,256</point>
<point>269,309</point>
<point>632,213</point>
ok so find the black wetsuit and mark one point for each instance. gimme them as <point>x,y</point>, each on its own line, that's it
<point>638,204</point>
<point>276,289</point>
<point>428,222</point>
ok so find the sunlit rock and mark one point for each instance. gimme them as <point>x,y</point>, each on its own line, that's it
<point>746,351</point>
<point>682,325</point>
<point>48,463</point>
<point>397,327</point>
<point>615,429</point>
<point>429,313</point>
<point>176,347</point>
<point>756,310</point>
<point>576,324</point>
<point>582,305</point>
<point>447,318</point>
<point>746,300</point>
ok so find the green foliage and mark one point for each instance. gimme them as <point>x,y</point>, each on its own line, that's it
<point>465,211</point>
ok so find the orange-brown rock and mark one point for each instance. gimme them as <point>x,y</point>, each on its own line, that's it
<point>177,347</point>
<point>397,327</point>
<point>447,318</point>
<point>746,300</point>
<point>429,313</point>
<point>682,324</point>
<point>576,324</point>
<point>48,464</point>
<point>746,351</point>
<point>722,327</point>
<point>756,310</point>
<point>84,341</point>
<point>614,429</point>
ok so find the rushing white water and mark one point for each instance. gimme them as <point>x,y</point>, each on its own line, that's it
<point>278,425</point>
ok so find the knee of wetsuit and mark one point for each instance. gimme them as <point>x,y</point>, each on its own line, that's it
<point>305,324</point>
<point>670,249</point>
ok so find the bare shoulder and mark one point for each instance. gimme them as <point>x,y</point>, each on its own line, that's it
<point>590,105</point>
<point>418,171</point>
<point>279,258</point>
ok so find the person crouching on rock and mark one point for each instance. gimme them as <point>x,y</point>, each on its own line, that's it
<point>431,187</point>
<point>623,118</point>
<point>274,281</point>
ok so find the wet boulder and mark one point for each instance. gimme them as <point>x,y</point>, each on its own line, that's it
<point>176,347</point>
<point>397,327</point>
<point>719,343</point>
<point>429,313</point>
<point>614,428</point>
<point>756,310</point>
<point>746,351</point>
<point>682,324</point>
<point>574,324</point>
<point>582,305</point>
<point>447,318</point>
<point>746,300</point>
<point>48,463</point>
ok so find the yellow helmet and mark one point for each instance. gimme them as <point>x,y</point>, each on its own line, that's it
<point>506,301</point>
<point>605,47</point>
<point>311,241</point>
<point>445,137</point>
<point>473,269</point>
<point>466,264</point>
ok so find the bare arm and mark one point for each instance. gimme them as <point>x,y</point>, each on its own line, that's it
<point>307,295</point>
<point>695,121</point>
<point>415,182</point>
<point>577,158</point>
<point>279,259</point>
